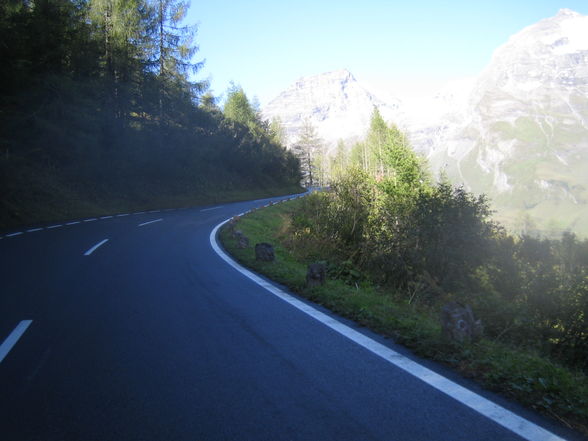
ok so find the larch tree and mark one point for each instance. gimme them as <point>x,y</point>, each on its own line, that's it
<point>238,108</point>
<point>307,148</point>
<point>173,52</point>
<point>122,28</point>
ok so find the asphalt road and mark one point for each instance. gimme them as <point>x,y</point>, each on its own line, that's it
<point>141,331</point>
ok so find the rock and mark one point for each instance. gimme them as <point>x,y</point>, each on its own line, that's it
<point>243,241</point>
<point>264,252</point>
<point>458,323</point>
<point>316,274</point>
<point>232,225</point>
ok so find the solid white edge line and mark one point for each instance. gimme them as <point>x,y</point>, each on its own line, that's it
<point>73,223</point>
<point>122,215</point>
<point>32,230</point>
<point>150,222</point>
<point>106,217</point>
<point>18,233</point>
<point>13,338</point>
<point>54,226</point>
<point>522,427</point>
<point>91,219</point>
<point>91,250</point>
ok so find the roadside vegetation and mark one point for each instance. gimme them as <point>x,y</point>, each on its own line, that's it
<point>399,246</point>
<point>100,113</point>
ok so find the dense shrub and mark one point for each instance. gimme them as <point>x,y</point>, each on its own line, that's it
<point>437,242</point>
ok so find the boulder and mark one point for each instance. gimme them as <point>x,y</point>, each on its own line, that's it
<point>264,252</point>
<point>316,274</point>
<point>459,324</point>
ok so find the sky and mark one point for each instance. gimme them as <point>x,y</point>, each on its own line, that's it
<point>395,48</point>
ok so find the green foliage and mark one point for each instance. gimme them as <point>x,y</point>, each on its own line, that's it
<point>238,108</point>
<point>97,112</point>
<point>386,155</point>
<point>439,243</point>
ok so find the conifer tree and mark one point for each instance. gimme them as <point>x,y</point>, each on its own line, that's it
<point>306,149</point>
<point>173,52</point>
<point>238,108</point>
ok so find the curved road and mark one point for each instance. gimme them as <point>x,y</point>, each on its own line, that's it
<point>141,331</point>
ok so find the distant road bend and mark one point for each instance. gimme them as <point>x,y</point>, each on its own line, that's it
<point>135,327</point>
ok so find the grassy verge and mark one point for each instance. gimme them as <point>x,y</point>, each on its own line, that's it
<point>526,377</point>
<point>58,202</point>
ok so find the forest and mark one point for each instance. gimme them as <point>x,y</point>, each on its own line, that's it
<point>100,113</point>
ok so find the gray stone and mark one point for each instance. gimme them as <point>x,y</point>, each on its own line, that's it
<point>316,274</point>
<point>243,241</point>
<point>459,324</point>
<point>264,252</point>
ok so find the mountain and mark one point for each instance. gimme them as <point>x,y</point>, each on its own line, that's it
<point>522,137</point>
<point>335,104</point>
<point>518,132</point>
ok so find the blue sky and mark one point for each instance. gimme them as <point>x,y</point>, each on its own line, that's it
<point>401,47</point>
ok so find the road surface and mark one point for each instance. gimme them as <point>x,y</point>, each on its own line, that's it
<point>132,327</point>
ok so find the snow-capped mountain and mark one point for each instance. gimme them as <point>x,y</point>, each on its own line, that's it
<point>334,103</point>
<point>518,132</point>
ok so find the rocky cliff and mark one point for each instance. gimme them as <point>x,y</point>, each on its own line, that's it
<point>523,136</point>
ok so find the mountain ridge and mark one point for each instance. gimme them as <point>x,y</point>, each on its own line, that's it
<point>517,132</point>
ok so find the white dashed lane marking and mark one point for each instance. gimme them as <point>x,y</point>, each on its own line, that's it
<point>212,208</point>
<point>95,247</point>
<point>13,338</point>
<point>150,222</point>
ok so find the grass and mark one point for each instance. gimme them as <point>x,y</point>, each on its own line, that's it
<point>523,376</point>
<point>57,202</point>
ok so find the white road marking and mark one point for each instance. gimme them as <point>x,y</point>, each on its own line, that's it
<point>150,222</point>
<point>91,219</point>
<point>18,233</point>
<point>490,410</point>
<point>106,217</point>
<point>55,226</point>
<point>73,223</point>
<point>91,250</point>
<point>213,208</point>
<point>154,211</point>
<point>32,230</point>
<point>122,215</point>
<point>13,338</point>
<point>140,212</point>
